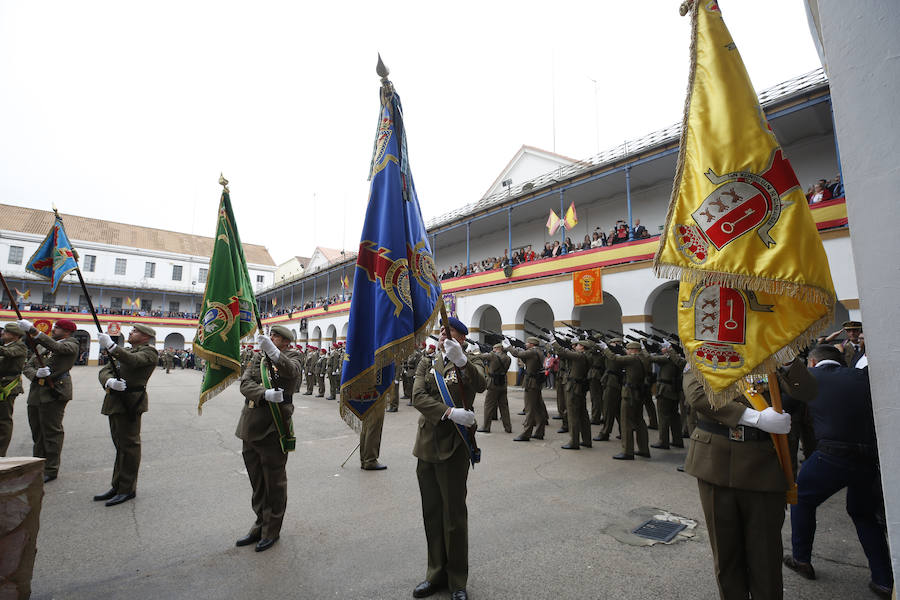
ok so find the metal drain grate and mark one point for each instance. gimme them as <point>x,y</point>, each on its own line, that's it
<point>655,529</point>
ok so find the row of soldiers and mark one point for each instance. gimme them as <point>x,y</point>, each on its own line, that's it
<point>317,366</point>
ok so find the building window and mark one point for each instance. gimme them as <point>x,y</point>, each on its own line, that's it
<point>260,279</point>
<point>115,301</point>
<point>146,303</point>
<point>174,306</point>
<point>149,270</point>
<point>176,272</point>
<point>90,262</point>
<point>203,275</point>
<point>120,266</point>
<point>15,255</point>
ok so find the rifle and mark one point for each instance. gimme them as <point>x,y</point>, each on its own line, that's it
<point>656,338</point>
<point>617,334</point>
<point>673,336</point>
<point>484,348</point>
<point>515,342</point>
<point>559,339</point>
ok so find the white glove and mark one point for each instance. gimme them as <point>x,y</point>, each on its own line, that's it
<point>268,346</point>
<point>666,346</point>
<point>505,343</point>
<point>768,420</point>
<point>26,325</point>
<point>454,352</point>
<point>602,345</point>
<point>116,384</point>
<point>573,340</point>
<point>275,395</point>
<point>464,417</point>
<point>106,341</point>
<point>43,372</point>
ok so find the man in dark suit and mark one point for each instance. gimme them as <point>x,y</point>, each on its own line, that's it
<point>443,459</point>
<point>846,456</point>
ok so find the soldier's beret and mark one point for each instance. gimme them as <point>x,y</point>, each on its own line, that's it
<point>431,346</point>
<point>852,325</point>
<point>616,341</point>
<point>498,346</point>
<point>533,340</point>
<point>458,325</point>
<point>145,329</point>
<point>588,344</point>
<point>633,345</point>
<point>323,350</point>
<point>67,325</point>
<point>14,329</point>
<point>282,331</point>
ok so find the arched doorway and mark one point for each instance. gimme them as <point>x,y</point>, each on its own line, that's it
<point>175,341</point>
<point>600,317</point>
<point>662,306</point>
<point>316,338</point>
<point>331,335</point>
<point>535,311</point>
<point>487,318</point>
<point>84,346</point>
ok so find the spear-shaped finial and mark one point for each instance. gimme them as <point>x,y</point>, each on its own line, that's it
<point>222,181</point>
<point>382,70</point>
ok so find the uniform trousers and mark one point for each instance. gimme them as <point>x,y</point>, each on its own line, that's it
<point>46,422</point>
<point>579,422</point>
<point>495,399</point>
<point>633,426</point>
<point>745,535</point>
<point>596,401</point>
<point>822,476</point>
<point>265,464</point>
<point>370,438</point>
<point>442,486</point>
<point>535,414</point>
<point>669,421</point>
<point>126,437</point>
<point>561,401</point>
<point>6,423</point>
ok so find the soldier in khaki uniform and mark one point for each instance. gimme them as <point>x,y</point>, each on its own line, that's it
<point>262,451</point>
<point>309,365</point>
<point>612,392</point>
<point>579,363</point>
<point>562,376</point>
<point>636,365</point>
<point>742,487</point>
<point>496,365</point>
<point>320,370</point>
<point>168,359</point>
<point>335,358</point>
<point>12,360</point>
<point>595,379</point>
<point>370,441</point>
<point>51,389</point>
<point>668,390</point>
<point>443,460</point>
<point>124,403</point>
<point>535,409</point>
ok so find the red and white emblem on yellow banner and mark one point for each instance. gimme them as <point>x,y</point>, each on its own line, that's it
<point>587,288</point>
<point>739,233</point>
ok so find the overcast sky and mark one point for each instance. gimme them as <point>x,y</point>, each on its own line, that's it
<point>128,111</point>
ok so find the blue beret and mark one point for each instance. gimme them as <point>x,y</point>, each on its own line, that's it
<point>458,325</point>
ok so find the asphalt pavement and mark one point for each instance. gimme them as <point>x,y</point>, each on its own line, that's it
<point>543,522</point>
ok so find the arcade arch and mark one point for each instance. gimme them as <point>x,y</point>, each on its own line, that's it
<point>486,317</point>
<point>537,311</point>
<point>662,306</point>
<point>600,316</point>
<point>331,335</point>
<point>316,337</point>
<point>175,341</point>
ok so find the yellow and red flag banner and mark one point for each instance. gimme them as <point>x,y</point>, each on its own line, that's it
<point>755,281</point>
<point>588,288</point>
<point>552,223</point>
<point>137,302</point>
<point>571,219</point>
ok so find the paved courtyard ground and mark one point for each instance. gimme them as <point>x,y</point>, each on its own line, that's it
<point>543,522</point>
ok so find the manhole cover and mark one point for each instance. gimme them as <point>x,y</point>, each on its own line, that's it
<point>655,529</point>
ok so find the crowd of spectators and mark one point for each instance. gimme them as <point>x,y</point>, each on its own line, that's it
<point>104,310</point>
<point>619,233</point>
<point>323,302</point>
<point>822,190</point>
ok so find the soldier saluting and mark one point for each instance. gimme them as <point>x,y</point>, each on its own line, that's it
<point>51,389</point>
<point>12,360</point>
<point>124,403</point>
<point>265,428</point>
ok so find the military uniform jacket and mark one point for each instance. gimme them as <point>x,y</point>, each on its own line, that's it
<point>495,367</point>
<point>321,365</point>
<point>256,423</point>
<point>636,369</point>
<point>671,364</point>
<point>612,373</point>
<point>598,365</point>
<point>578,366</point>
<point>534,363</point>
<point>12,361</point>
<point>437,439</point>
<point>61,358</point>
<point>136,365</point>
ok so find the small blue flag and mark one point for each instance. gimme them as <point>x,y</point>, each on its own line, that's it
<point>396,291</point>
<point>54,258</point>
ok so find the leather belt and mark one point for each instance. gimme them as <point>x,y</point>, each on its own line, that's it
<point>736,434</point>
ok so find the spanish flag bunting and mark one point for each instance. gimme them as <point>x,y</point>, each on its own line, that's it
<point>571,219</point>
<point>755,281</point>
<point>552,223</point>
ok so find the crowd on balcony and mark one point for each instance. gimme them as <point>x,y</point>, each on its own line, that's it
<point>823,190</point>
<point>103,310</point>
<point>323,302</point>
<point>619,233</point>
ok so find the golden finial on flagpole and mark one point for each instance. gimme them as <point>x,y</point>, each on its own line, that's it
<point>222,181</point>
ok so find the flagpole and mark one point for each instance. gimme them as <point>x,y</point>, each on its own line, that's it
<point>90,303</point>
<point>780,440</point>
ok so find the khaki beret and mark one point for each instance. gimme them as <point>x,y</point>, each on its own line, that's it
<point>533,340</point>
<point>852,325</point>
<point>14,329</point>
<point>498,346</point>
<point>282,331</point>
<point>616,341</point>
<point>633,345</point>
<point>588,344</point>
<point>145,329</point>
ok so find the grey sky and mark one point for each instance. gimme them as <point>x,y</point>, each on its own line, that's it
<point>129,111</point>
